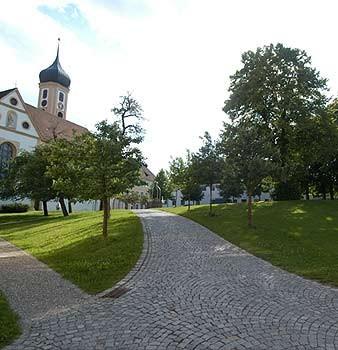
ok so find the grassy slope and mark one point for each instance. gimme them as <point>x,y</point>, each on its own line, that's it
<point>9,328</point>
<point>74,247</point>
<point>299,236</point>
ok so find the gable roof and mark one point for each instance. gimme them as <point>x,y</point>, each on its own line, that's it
<point>146,174</point>
<point>6,92</point>
<point>48,126</point>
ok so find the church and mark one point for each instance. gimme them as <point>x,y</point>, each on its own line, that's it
<point>23,126</point>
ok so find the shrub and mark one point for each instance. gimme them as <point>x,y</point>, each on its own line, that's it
<point>14,208</point>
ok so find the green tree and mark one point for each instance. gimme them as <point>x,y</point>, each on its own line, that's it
<point>27,178</point>
<point>207,165</point>
<point>129,113</point>
<point>249,155</point>
<point>192,191</point>
<point>277,90</point>
<point>162,180</point>
<point>183,176</point>
<point>63,167</point>
<point>177,174</point>
<point>111,164</point>
<point>230,184</point>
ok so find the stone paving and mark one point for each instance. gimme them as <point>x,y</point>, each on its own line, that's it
<point>33,289</point>
<point>193,290</point>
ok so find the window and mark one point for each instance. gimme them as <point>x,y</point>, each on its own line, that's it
<point>44,93</point>
<point>61,96</point>
<point>60,114</point>
<point>11,119</point>
<point>13,101</point>
<point>25,125</point>
<point>7,152</point>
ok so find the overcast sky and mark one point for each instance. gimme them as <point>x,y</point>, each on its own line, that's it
<point>175,56</point>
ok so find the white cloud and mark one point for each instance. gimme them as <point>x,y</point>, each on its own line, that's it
<point>176,57</point>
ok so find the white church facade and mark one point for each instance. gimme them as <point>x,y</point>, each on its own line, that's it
<point>23,126</point>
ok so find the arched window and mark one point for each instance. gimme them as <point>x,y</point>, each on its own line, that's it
<point>61,96</point>
<point>44,93</point>
<point>7,153</point>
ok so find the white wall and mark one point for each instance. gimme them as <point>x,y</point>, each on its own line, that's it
<point>27,139</point>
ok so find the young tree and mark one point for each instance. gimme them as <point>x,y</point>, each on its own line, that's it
<point>249,156</point>
<point>207,165</point>
<point>103,164</point>
<point>163,182</point>
<point>177,168</point>
<point>132,197</point>
<point>63,167</point>
<point>27,178</point>
<point>192,191</point>
<point>230,184</point>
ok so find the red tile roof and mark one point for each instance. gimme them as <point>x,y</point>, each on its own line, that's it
<point>48,126</point>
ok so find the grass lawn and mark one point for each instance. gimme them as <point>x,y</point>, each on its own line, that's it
<point>299,236</point>
<point>29,215</point>
<point>74,247</point>
<point>9,327</point>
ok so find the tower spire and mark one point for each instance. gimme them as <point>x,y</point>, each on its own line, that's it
<point>58,49</point>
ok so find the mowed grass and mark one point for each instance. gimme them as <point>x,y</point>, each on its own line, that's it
<point>299,236</point>
<point>13,217</point>
<point>9,327</point>
<point>74,246</point>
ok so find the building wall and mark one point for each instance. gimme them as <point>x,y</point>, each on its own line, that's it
<point>216,197</point>
<point>22,139</point>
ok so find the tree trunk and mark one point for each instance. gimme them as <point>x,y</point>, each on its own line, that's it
<point>176,198</point>
<point>109,207</point>
<point>249,209</point>
<point>63,205</point>
<point>331,191</point>
<point>36,204</point>
<point>324,194</point>
<point>307,192</point>
<point>70,209</point>
<point>101,205</point>
<point>189,202</point>
<point>45,209</point>
<point>105,217</point>
<point>210,202</point>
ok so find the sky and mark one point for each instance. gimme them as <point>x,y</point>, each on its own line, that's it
<point>174,56</point>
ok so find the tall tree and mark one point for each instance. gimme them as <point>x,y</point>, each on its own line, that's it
<point>129,113</point>
<point>207,165</point>
<point>277,89</point>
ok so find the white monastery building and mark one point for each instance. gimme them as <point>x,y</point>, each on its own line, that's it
<point>23,126</point>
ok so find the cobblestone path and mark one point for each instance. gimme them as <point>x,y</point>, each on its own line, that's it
<point>193,290</point>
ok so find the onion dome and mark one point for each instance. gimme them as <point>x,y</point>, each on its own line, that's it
<point>55,73</point>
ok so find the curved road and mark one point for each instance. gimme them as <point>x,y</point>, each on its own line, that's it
<point>194,290</point>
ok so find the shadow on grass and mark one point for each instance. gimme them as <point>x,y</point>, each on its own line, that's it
<point>74,246</point>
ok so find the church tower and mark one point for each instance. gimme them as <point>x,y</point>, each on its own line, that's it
<point>54,89</point>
